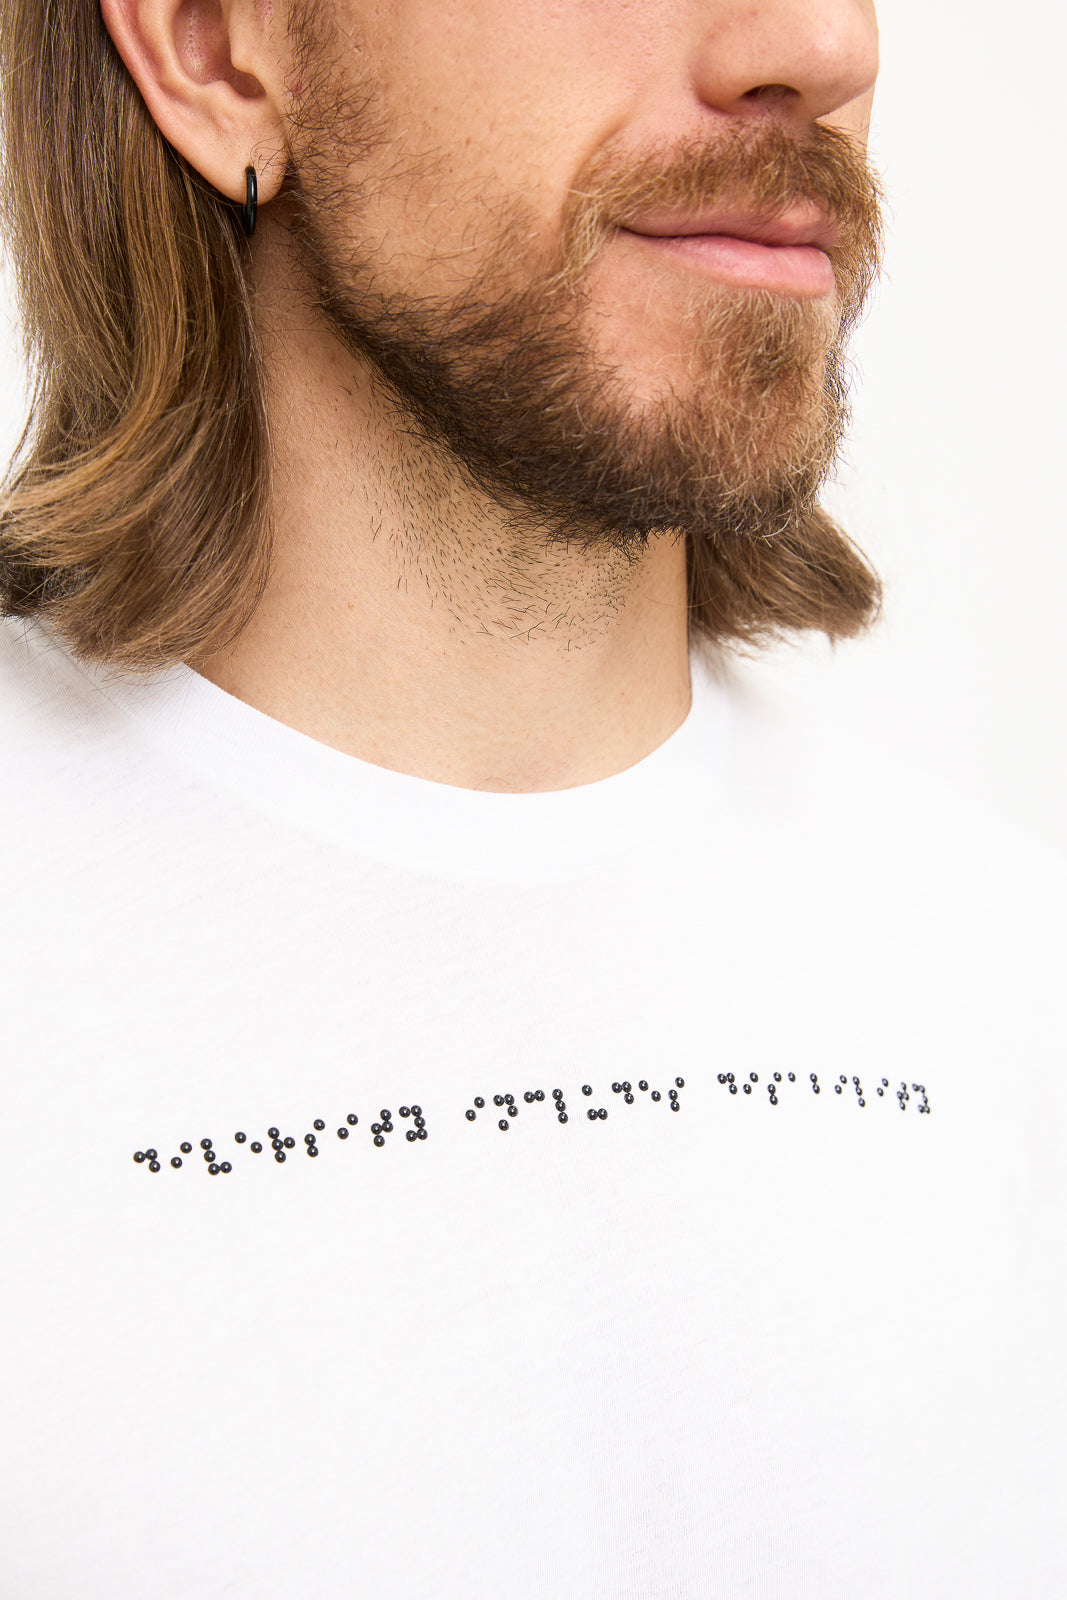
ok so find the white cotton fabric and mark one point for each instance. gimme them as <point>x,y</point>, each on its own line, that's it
<point>804,1351</point>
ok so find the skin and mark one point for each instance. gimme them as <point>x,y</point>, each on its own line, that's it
<point>415,618</point>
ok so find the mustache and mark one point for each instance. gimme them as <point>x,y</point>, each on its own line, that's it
<point>762,168</point>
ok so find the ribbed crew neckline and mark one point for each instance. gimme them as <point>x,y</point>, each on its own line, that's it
<point>418,823</point>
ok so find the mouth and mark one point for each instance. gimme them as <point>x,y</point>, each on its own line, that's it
<point>786,255</point>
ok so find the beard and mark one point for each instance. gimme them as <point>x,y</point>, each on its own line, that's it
<point>504,383</point>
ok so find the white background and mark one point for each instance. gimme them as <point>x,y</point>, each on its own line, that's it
<point>952,478</point>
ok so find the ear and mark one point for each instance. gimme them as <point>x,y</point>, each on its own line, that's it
<point>212,73</point>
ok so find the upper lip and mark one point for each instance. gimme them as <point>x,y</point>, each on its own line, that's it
<point>802,225</point>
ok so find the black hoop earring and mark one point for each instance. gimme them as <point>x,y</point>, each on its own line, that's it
<point>248,210</point>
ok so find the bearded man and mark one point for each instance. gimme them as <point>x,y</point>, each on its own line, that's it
<point>496,1107</point>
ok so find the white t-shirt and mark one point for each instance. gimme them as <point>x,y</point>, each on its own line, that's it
<point>772,1307</point>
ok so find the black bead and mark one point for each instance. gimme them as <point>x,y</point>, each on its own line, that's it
<point>842,1079</point>
<point>643,1084</point>
<point>774,1099</point>
<point>730,1077</point>
<point>561,1117</point>
<point>862,1101</point>
<point>509,1099</point>
<point>629,1099</point>
<point>139,1156</point>
<point>561,1105</point>
<point>376,1128</point>
<point>387,1127</point>
<point>342,1133</point>
<point>753,1077</point>
<point>792,1077</point>
<point>881,1091</point>
<point>816,1088</point>
<point>529,1097</point>
<point>616,1088</point>
<point>602,1114</point>
<point>513,1111</point>
<point>153,1166</point>
<point>209,1155</point>
<point>185,1148</point>
<point>225,1166</point>
<point>656,1095</point>
<point>676,1105</point>
<point>478,1101</point>
<point>471,1115</point>
<point>539,1094</point>
<point>386,1116</point>
<point>175,1161</point>
<point>837,1088</point>
<point>309,1138</point>
<point>276,1144</point>
<point>814,1077</point>
<point>416,1111</point>
<point>420,1122</point>
<point>205,1144</point>
<point>379,1141</point>
<point>733,1088</point>
<point>591,1114</point>
<point>352,1119</point>
<point>214,1169</point>
<point>587,1088</point>
<point>239,1138</point>
<point>255,1147</point>
<point>626,1088</point>
<point>557,1094</point>
<point>279,1155</point>
<point>680,1083</point>
<point>319,1124</point>
<point>273,1133</point>
<point>885,1083</point>
<point>405,1111</point>
<point>503,1124</point>
<point>312,1149</point>
<point>498,1099</point>
<point>777,1077</point>
<point>151,1154</point>
<point>856,1081</point>
<point>672,1094</point>
<point>722,1077</point>
<point>420,1133</point>
<point>747,1088</point>
<point>411,1135</point>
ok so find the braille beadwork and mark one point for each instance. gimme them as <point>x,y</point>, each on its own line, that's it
<point>478,1101</point>
<point>471,1115</point>
<point>175,1161</point>
<point>255,1147</point>
<point>239,1138</point>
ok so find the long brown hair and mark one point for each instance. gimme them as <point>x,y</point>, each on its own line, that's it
<point>135,511</point>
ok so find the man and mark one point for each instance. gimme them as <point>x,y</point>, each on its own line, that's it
<point>493,1109</point>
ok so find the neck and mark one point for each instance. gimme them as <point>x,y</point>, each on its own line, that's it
<point>405,623</point>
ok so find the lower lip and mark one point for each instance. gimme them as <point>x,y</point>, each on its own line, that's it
<point>801,269</point>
